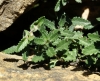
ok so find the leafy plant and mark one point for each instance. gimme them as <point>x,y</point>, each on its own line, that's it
<point>59,42</point>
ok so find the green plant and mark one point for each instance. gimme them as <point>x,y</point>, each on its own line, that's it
<point>59,42</point>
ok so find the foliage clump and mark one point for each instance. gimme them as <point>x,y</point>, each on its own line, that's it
<point>60,42</point>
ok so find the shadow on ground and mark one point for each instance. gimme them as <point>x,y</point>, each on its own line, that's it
<point>26,65</point>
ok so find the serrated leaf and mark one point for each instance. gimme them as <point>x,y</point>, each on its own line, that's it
<point>52,63</point>
<point>42,28</point>
<point>89,26</point>
<point>78,1</point>
<point>77,35</point>
<point>82,22</point>
<point>49,24</point>
<point>35,25</point>
<point>39,41</point>
<point>98,19</point>
<point>56,42</point>
<point>70,55</point>
<point>84,41</point>
<point>22,44</point>
<point>63,45</point>
<point>50,52</point>
<point>64,2</point>
<point>58,6</point>
<point>53,35</point>
<point>94,37</point>
<point>37,58</point>
<point>90,50</point>
<point>62,20</point>
<point>67,33</point>
<point>45,35</point>
<point>10,50</point>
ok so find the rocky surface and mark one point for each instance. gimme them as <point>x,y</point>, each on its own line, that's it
<point>15,70</point>
<point>10,10</point>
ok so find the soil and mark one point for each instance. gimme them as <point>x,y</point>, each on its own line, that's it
<point>12,69</point>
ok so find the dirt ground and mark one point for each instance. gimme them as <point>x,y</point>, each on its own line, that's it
<point>15,70</point>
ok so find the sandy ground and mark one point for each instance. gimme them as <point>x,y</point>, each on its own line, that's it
<point>15,70</point>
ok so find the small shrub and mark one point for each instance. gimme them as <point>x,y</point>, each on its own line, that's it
<point>59,42</point>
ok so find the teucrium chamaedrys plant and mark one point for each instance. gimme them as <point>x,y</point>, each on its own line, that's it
<point>59,42</point>
<point>56,42</point>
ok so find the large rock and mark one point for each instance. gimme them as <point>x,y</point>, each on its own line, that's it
<point>10,10</point>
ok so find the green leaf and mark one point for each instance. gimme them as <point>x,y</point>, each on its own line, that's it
<point>64,2</point>
<point>40,21</point>
<point>67,33</point>
<point>78,1</point>
<point>84,41</point>
<point>77,35</point>
<point>52,63</point>
<point>53,35</point>
<point>42,28</point>
<point>62,20</point>
<point>94,36</point>
<point>57,6</point>
<point>49,24</point>
<point>72,27</point>
<point>35,25</point>
<point>24,55</point>
<point>39,41</point>
<point>90,50</point>
<point>82,22</point>
<point>22,44</point>
<point>37,58</point>
<point>98,19</point>
<point>56,42</point>
<point>10,50</point>
<point>70,55</point>
<point>89,26</point>
<point>50,52</point>
<point>45,35</point>
<point>63,45</point>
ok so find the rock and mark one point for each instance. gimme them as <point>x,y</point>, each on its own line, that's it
<point>10,10</point>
